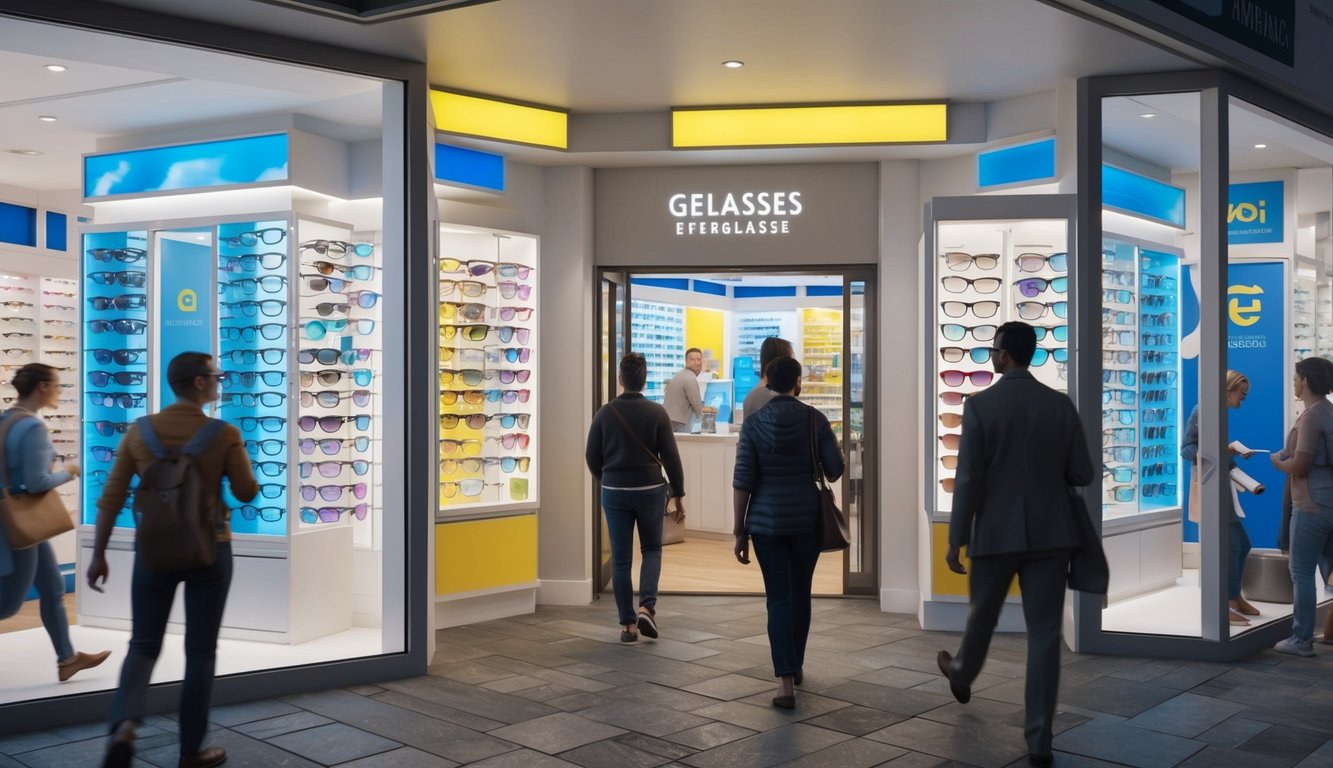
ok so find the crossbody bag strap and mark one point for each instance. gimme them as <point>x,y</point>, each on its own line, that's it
<point>814,453</point>
<point>635,437</point>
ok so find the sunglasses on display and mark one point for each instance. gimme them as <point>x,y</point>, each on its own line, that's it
<point>959,261</point>
<point>451,310</point>
<point>954,398</point>
<point>1125,378</point>
<point>102,454</point>
<point>1035,262</point>
<point>1031,286</point>
<point>1057,332</point>
<point>333,423</point>
<point>253,262</point>
<point>1159,433</point>
<point>1119,474</point>
<point>117,356</point>
<point>16,351</point>
<point>976,378</point>
<point>1158,339</point>
<point>471,377</point>
<point>331,446</point>
<point>1122,396</point>
<point>330,398</point>
<point>1033,310</point>
<point>317,283</point>
<point>461,466</point>
<point>521,314</point>
<point>509,377</point>
<point>951,441</point>
<point>117,399</point>
<point>1121,356</point>
<point>330,376</point>
<point>267,514</point>
<point>1157,395</point>
<point>1119,453</point>
<point>476,332</point>
<point>464,287</point>
<point>1115,277</point>
<point>955,284</point>
<point>1119,435</point>
<point>1158,415</point>
<point>123,255</point>
<point>363,299</point>
<point>269,236</point>
<point>332,514</point>
<point>1117,297</point>
<point>1160,377</point>
<point>333,468</point>
<point>951,420</point>
<point>947,484</point>
<point>272,490</point>
<point>465,488</point>
<point>479,420</point>
<point>269,468</point>
<point>465,447</point>
<point>1123,415</point>
<point>1040,355</point>
<point>266,423</point>
<point>324,309</point>
<point>252,399</point>
<point>949,461</point>
<point>470,396</point>
<point>956,354</point>
<point>252,308</point>
<point>512,440</point>
<point>128,278</point>
<point>1121,493</point>
<point>1158,301</point>
<point>1164,282</point>
<point>102,378</point>
<point>978,308</point>
<point>266,447</point>
<point>515,354</point>
<point>17,335</point>
<point>317,329</point>
<point>509,289</point>
<point>333,492</point>
<point>122,326</point>
<point>956,332</point>
<point>270,356</point>
<point>329,355</point>
<point>1159,469</point>
<point>1113,336</point>
<point>127,302</point>
<point>267,331</point>
<point>357,272</point>
<point>249,286</point>
<point>110,428</point>
<point>337,248</point>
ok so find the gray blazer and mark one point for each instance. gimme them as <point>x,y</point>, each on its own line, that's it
<point>1022,448</point>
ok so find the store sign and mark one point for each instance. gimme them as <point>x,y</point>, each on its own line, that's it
<point>186,271</point>
<point>1254,213</point>
<point>1266,26</point>
<point>734,213</point>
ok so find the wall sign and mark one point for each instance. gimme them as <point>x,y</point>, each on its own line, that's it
<point>229,162</point>
<point>1266,26</point>
<point>735,213</point>
<point>1254,213</point>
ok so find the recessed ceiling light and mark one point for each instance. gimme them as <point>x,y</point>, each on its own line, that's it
<point>56,67</point>
<point>733,63</point>
<point>1261,146</point>
<point>1148,115</point>
<point>47,118</point>
<point>24,152</point>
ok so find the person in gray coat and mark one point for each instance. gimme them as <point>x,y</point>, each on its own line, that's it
<point>1022,449</point>
<point>777,508</point>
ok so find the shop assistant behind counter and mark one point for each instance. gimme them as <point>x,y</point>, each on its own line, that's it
<point>681,395</point>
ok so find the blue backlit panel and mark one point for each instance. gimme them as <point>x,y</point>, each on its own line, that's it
<point>18,224</point>
<point>231,162</point>
<point>1143,197</point>
<point>1030,162</point>
<point>57,231</point>
<point>457,165</point>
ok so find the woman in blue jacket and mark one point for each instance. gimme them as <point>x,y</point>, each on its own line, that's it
<point>777,508</point>
<point>28,456</point>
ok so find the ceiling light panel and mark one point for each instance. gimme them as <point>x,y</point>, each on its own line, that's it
<point>500,120</point>
<point>809,125</point>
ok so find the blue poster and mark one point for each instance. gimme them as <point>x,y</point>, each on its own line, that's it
<point>186,307</point>
<point>1254,213</point>
<point>1256,337</point>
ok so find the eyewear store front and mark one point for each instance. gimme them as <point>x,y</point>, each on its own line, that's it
<point>258,218</point>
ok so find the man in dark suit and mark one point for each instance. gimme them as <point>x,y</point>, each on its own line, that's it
<point>1022,448</point>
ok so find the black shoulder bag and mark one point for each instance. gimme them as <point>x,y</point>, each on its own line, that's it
<point>832,525</point>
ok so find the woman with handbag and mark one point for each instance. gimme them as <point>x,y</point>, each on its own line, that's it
<point>1238,388</point>
<point>630,443</point>
<point>777,507</point>
<point>28,457</point>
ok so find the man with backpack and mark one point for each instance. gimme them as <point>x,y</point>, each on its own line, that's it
<point>180,456</point>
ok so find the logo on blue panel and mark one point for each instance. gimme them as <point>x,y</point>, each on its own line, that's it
<point>1254,213</point>
<point>187,301</point>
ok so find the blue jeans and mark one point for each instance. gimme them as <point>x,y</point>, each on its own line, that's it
<point>788,564</point>
<point>37,566</point>
<point>623,510</point>
<point>1311,546</point>
<point>1239,550</point>
<point>151,595</point>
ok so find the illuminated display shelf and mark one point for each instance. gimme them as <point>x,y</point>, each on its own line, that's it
<point>657,330</point>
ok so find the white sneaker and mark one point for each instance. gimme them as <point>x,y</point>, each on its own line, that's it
<point>1295,647</point>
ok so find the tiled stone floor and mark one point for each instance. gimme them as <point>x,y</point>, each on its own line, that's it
<point>557,689</point>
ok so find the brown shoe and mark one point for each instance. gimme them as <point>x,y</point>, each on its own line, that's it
<point>80,662</point>
<point>1243,607</point>
<point>205,759</point>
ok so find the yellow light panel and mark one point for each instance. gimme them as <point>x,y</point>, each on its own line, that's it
<point>490,119</point>
<point>797,126</point>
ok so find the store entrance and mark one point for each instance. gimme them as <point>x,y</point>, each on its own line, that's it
<point>828,317</point>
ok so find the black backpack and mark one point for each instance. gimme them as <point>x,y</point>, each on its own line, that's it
<point>175,532</point>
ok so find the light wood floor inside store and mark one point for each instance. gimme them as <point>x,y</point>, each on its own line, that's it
<point>708,566</point>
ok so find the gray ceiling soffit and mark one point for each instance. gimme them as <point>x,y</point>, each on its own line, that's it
<point>371,11</point>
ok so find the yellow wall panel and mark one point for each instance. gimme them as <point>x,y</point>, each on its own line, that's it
<point>942,580</point>
<point>485,554</point>
<point>703,329</point>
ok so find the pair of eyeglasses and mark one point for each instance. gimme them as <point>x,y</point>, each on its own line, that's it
<point>956,332</point>
<point>101,453</point>
<point>317,329</point>
<point>511,440</point>
<point>252,308</point>
<point>266,423</point>
<point>1040,355</point>
<point>17,335</point>
<point>516,354</point>
<point>951,420</point>
<point>252,399</point>
<point>266,447</point>
<point>1158,339</point>
<point>123,255</point>
<point>1119,435</point>
<point>1123,494</point>
<point>1123,415</point>
<point>330,376</point>
<point>1160,281</point>
<point>1033,310</point>
<point>1159,319</point>
<point>1159,469</point>
<point>1126,378</point>
<point>253,262</point>
<point>1117,297</point>
<point>1119,474</point>
<point>268,236</point>
<point>465,287</point>
<point>1158,415</point>
<point>249,286</point>
<point>1160,377</point>
<point>469,447</point>
<point>1159,300</point>
<point>954,398</point>
<point>959,261</point>
<point>312,515</point>
<point>978,308</point>
<point>1031,286</point>
<point>270,356</point>
<point>268,331</point>
<point>128,278</point>
<point>102,378</point>
<point>109,428</point>
<point>949,461</point>
<point>337,248</point>
<point>269,468</point>
<point>951,441</point>
<point>976,378</point>
<point>1113,336</point>
<point>956,354</point>
<point>955,284</point>
<point>317,283</point>
<point>509,289</point>
<point>117,399</point>
<point>330,398</point>
<point>1159,433</point>
<point>450,310</point>
<point>1058,332</point>
<point>1122,396</point>
<point>1114,277</point>
<point>357,272</point>
<point>333,468</point>
<point>333,423</point>
<point>507,464</point>
<point>466,488</point>
<point>1035,262</point>
<point>479,332</point>
<point>333,492</point>
<point>122,326</point>
<point>331,446</point>
<point>326,308</point>
<point>117,356</point>
<point>267,514</point>
<point>1118,453</point>
<point>479,420</point>
<point>329,355</point>
<point>1121,356</point>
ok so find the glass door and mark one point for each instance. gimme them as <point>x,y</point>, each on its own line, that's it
<point>858,434</point>
<point>612,333</point>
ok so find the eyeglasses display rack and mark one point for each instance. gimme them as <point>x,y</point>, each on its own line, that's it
<point>1141,418</point>
<point>1324,317</point>
<point>822,355</point>
<point>657,330</point>
<point>488,363</point>
<point>1303,313</point>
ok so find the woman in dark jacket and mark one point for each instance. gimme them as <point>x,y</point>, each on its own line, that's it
<point>777,507</point>
<point>629,444</point>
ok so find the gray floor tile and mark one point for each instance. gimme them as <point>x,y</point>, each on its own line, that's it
<point>756,718</point>
<point>524,758</point>
<point>856,720</point>
<point>334,743</point>
<point>1233,732</point>
<point>643,718</point>
<point>853,753</point>
<point>769,748</point>
<point>439,711</point>
<point>1217,757</point>
<point>556,733</point>
<point>730,687</point>
<point>70,754</point>
<point>896,700</point>
<point>1186,715</point>
<point>235,714</point>
<point>241,750</point>
<point>1319,758</point>
<point>612,754</point>
<point>1115,696</point>
<point>668,749</point>
<point>277,726</point>
<point>27,742</point>
<point>1282,741</point>
<point>575,702</point>
<point>990,745</point>
<point>1110,739</point>
<point>710,735</point>
<point>365,690</point>
<point>403,757</point>
<point>493,706</point>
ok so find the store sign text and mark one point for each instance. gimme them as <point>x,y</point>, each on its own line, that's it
<point>746,213</point>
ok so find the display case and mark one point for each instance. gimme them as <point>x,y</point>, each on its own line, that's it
<point>821,353</point>
<point>751,330</point>
<point>1324,317</point>
<point>1141,419</point>
<point>488,363</point>
<point>1304,316</point>
<point>657,330</point>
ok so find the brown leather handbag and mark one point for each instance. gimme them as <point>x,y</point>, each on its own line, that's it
<point>832,525</point>
<point>29,518</point>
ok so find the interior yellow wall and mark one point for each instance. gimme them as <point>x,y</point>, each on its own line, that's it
<point>703,329</point>
<point>484,554</point>
<point>942,580</point>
